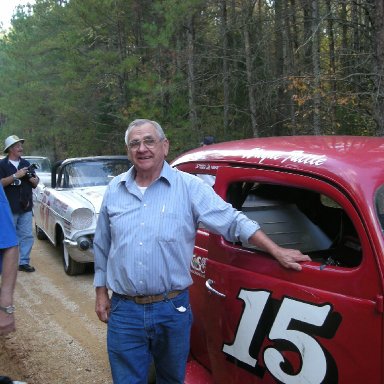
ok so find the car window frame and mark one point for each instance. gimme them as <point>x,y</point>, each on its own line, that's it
<point>222,251</point>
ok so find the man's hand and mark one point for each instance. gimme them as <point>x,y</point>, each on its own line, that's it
<point>103,304</point>
<point>34,180</point>
<point>7,323</point>
<point>20,173</point>
<point>288,258</point>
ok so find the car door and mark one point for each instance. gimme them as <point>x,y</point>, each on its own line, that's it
<point>265,323</point>
<point>47,203</point>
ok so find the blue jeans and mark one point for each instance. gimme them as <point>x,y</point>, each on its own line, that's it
<point>23,225</point>
<point>140,333</point>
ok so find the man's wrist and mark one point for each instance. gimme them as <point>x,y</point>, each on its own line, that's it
<point>9,309</point>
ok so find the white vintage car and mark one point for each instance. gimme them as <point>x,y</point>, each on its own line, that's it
<point>66,212</point>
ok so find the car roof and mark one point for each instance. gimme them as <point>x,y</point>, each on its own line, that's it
<point>94,158</point>
<point>344,159</point>
<point>35,157</point>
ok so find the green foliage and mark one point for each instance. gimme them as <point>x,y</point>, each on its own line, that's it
<point>75,73</point>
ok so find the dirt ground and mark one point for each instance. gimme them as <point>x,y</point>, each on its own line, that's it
<point>59,338</point>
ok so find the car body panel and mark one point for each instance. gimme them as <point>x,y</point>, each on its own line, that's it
<point>56,207</point>
<point>255,321</point>
<point>66,213</point>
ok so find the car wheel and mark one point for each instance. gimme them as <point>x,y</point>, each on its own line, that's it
<point>71,267</point>
<point>40,233</point>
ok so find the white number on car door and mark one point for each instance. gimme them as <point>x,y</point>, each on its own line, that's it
<point>289,330</point>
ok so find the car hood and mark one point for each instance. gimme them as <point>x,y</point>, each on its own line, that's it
<point>93,195</point>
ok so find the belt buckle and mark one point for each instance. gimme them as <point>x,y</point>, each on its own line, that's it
<point>147,299</point>
<point>155,298</point>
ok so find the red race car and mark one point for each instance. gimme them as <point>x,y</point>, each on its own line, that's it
<point>257,322</point>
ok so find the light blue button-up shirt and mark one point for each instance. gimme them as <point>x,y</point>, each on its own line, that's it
<point>143,244</point>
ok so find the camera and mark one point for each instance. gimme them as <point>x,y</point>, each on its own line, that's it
<point>31,171</point>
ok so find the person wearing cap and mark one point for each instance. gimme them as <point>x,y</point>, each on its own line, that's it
<point>9,260</point>
<point>18,181</point>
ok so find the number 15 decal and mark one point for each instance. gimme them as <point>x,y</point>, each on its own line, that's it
<point>291,326</point>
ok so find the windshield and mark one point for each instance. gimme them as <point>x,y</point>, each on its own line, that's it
<point>379,202</point>
<point>92,173</point>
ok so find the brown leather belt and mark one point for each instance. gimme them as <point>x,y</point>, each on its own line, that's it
<point>151,298</point>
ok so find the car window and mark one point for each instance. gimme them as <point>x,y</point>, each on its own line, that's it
<point>379,202</point>
<point>300,219</point>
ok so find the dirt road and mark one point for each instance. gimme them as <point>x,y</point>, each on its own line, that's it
<point>59,338</point>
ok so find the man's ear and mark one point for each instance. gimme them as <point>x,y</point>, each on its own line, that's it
<point>128,153</point>
<point>166,147</point>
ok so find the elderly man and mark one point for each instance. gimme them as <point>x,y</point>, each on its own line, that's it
<point>18,181</point>
<point>143,246</point>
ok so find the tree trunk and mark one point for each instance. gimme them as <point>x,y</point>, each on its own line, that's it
<point>250,84</point>
<point>224,33</point>
<point>247,19</point>
<point>307,31</point>
<point>316,67</point>
<point>293,45</point>
<point>332,64</point>
<point>280,49</point>
<point>378,100</point>
<point>191,74</point>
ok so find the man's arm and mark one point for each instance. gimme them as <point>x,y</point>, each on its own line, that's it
<point>288,258</point>
<point>8,282</point>
<point>8,180</point>
<point>101,246</point>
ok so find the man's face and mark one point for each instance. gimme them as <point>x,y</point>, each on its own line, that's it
<point>15,150</point>
<point>146,151</point>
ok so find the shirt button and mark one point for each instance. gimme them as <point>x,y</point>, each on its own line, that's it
<point>140,243</point>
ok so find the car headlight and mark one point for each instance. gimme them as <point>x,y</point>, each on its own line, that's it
<point>81,218</point>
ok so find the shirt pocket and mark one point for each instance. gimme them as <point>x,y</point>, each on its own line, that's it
<point>169,229</point>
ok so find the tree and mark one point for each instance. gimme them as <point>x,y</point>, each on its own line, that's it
<point>378,95</point>
<point>74,73</point>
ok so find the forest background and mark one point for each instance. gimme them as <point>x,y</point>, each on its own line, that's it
<point>74,73</point>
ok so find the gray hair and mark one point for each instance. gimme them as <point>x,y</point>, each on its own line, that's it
<point>139,122</point>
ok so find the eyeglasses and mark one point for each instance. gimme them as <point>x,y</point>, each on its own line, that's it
<point>149,142</point>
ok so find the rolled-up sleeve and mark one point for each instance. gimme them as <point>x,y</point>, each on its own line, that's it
<point>245,228</point>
